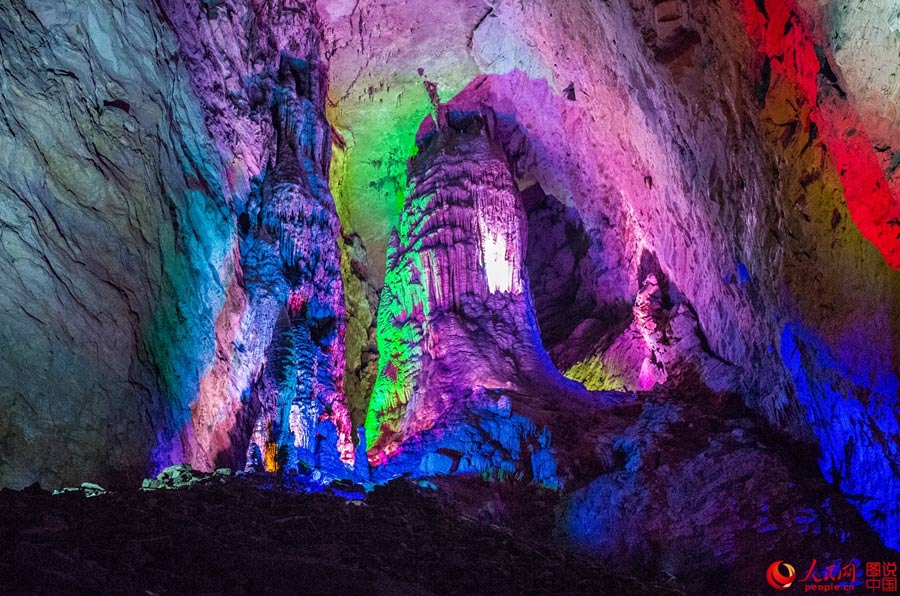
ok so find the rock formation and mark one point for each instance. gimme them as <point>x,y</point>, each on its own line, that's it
<point>290,250</point>
<point>285,363</point>
<point>164,307</point>
<point>455,318</point>
<point>466,387</point>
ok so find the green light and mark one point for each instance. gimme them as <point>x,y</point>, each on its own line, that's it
<point>595,376</point>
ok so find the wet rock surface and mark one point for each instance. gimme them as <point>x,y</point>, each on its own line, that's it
<point>244,536</point>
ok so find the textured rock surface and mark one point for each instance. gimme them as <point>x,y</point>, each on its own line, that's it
<point>361,345</point>
<point>379,55</point>
<point>746,209</point>
<point>694,479</point>
<point>292,228</point>
<point>140,139</point>
<point>455,315</point>
<point>745,212</point>
<point>257,69</point>
<point>669,479</point>
<point>242,536</point>
<point>116,247</point>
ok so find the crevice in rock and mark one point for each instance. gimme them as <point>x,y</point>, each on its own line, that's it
<point>558,260</point>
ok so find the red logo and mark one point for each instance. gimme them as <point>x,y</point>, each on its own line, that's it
<point>777,578</point>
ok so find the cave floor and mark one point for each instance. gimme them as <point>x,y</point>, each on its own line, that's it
<point>243,536</point>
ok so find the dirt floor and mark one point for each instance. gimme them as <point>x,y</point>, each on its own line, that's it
<point>245,536</point>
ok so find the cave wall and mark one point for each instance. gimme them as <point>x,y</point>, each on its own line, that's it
<point>117,246</point>
<point>139,317</point>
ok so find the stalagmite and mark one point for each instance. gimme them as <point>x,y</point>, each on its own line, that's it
<point>456,318</point>
<point>302,407</point>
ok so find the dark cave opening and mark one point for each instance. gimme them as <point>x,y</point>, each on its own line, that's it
<point>555,257</point>
<point>562,270</point>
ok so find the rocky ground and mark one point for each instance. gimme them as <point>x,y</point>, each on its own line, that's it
<point>245,536</point>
